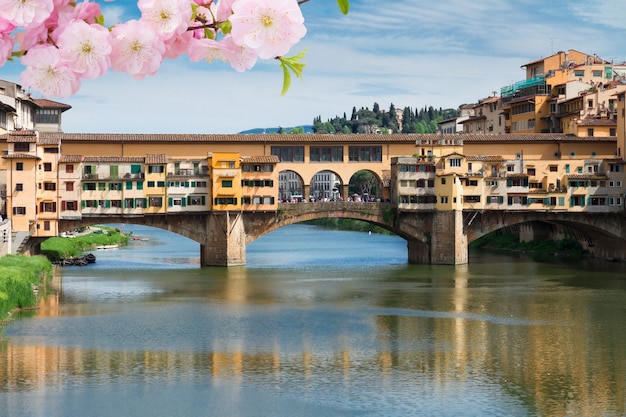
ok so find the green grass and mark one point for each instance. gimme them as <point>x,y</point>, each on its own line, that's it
<point>57,248</point>
<point>18,275</point>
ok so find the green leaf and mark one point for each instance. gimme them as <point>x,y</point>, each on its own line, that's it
<point>344,6</point>
<point>294,65</point>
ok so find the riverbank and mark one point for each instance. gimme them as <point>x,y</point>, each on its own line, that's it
<point>21,278</point>
<point>508,242</point>
<point>71,246</point>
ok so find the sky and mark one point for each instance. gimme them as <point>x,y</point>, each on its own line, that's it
<point>409,53</point>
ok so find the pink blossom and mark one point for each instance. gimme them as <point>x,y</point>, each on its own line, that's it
<point>271,27</point>
<point>167,17</point>
<point>6,47</point>
<point>46,72</point>
<point>224,10</point>
<point>24,13</point>
<point>137,49</point>
<point>205,49</point>
<point>177,45</point>
<point>240,58</point>
<point>6,26</point>
<point>85,48</point>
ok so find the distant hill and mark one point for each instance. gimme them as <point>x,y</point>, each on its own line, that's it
<point>268,130</point>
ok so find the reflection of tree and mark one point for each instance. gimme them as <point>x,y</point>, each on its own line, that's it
<point>363,183</point>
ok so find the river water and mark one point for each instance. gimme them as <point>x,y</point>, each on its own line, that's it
<point>319,323</point>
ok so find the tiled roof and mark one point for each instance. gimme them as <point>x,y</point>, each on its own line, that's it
<point>589,121</point>
<point>64,159</point>
<point>229,138</point>
<point>28,136</point>
<point>107,159</point>
<point>20,156</point>
<point>48,141</point>
<point>269,159</point>
<point>49,104</point>
<point>156,158</point>
<point>485,158</point>
<point>586,177</point>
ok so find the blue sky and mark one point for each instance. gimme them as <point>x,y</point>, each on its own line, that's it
<point>406,52</point>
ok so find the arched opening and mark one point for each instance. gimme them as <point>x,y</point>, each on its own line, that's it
<point>365,186</point>
<point>290,186</point>
<point>326,186</point>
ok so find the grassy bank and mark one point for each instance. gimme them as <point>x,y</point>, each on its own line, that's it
<point>19,276</point>
<point>349,224</point>
<point>509,242</point>
<point>57,248</point>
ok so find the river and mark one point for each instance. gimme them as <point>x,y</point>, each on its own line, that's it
<point>319,323</point>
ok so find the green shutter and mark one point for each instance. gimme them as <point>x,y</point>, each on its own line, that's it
<point>135,169</point>
<point>169,201</point>
<point>107,203</point>
<point>83,203</point>
<point>203,200</point>
<point>129,185</point>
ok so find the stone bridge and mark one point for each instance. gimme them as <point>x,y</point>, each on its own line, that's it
<point>433,237</point>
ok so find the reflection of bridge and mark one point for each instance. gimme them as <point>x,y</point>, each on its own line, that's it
<point>437,237</point>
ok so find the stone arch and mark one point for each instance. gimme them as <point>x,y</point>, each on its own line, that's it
<point>326,184</point>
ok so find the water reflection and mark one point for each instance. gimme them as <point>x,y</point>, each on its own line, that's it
<point>506,337</point>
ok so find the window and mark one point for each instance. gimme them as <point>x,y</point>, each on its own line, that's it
<point>115,186</point>
<point>50,150</point>
<point>47,166</point>
<point>49,186</point>
<point>455,162</point>
<point>530,171</point>
<point>116,203</point>
<point>443,181</point>
<point>510,168</point>
<point>326,154</point>
<point>444,200</point>
<point>102,186</point>
<point>227,183</point>
<point>195,200</point>
<point>225,201</point>
<point>69,205</point>
<point>19,210</point>
<point>596,73</point>
<point>89,186</point>
<point>156,169</point>
<point>47,207</point>
<point>46,225</point>
<point>19,166</point>
<point>69,169</point>
<point>365,153</point>
<point>47,116</point>
<point>21,147</point>
<point>590,131</point>
<point>155,201</point>
<point>579,73</point>
<point>150,184</point>
<point>289,153</point>
<point>554,168</point>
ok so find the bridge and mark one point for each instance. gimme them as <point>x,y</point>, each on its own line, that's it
<point>433,237</point>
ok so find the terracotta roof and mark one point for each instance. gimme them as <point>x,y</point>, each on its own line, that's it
<point>589,121</point>
<point>64,159</point>
<point>48,141</point>
<point>586,177</point>
<point>106,159</point>
<point>49,104</point>
<point>28,136</point>
<point>20,156</point>
<point>229,138</point>
<point>269,159</point>
<point>485,158</point>
<point>156,158</point>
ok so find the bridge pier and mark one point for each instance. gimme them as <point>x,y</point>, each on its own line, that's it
<point>224,242</point>
<point>448,241</point>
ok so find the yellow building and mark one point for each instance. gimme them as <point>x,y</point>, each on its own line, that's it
<point>259,178</point>
<point>226,184</point>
